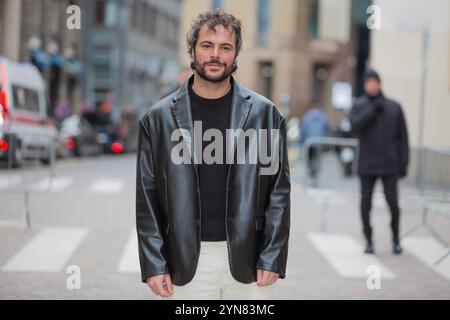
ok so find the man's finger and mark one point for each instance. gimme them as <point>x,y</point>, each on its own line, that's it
<point>273,278</point>
<point>168,284</point>
<point>258,276</point>
<point>264,278</point>
<point>160,288</point>
<point>158,285</point>
<point>267,277</point>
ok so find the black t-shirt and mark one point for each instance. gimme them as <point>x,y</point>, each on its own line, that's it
<point>214,114</point>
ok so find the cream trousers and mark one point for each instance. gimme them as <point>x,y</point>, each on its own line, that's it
<point>213,279</point>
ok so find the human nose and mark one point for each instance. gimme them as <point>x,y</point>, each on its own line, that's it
<point>215,52</point>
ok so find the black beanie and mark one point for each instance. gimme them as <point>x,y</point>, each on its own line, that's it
<point>370,73</point>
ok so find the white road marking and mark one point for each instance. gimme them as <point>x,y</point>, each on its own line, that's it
<point>9,223</point>
<point>429,251</point>
<point>56,184</point>
<point>9,181</point>
<point>129,262</point>
<point>106,186</point>
<point>48,251</point>
<point>346,255</point>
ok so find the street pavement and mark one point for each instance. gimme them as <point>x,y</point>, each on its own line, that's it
<point>85,225</point>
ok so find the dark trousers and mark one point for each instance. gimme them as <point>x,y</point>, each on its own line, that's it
<point>391,194</point>
<point>313,160</point>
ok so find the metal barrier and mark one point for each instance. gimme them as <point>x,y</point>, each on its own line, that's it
<point>36,171</point>
<point>431,184</point>
<point>325,197</point>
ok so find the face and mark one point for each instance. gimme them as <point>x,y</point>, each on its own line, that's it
<point>372,87</point>
<point>215,53</point>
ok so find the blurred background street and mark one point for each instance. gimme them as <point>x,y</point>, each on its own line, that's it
<point>76,75</point>
<point>88,221</point>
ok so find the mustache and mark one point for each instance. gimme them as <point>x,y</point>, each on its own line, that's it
<point>215,62</point>
<point>234,67</point>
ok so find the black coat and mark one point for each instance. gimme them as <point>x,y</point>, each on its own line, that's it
<point>168,195</point>
<point>380,126</point>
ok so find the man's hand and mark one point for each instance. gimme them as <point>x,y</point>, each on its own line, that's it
<point>265,277</point>
<point>161,285</point>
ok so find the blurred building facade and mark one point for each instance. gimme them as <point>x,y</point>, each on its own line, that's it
<point>35,31</point>
<point>10,13</point>
<point>294,50</point>
<point>130,52</point>
<point>415,67</point>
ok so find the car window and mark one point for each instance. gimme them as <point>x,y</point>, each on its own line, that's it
<point>25,99</point>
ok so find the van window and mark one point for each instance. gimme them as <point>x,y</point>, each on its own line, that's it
<point>25,99</point>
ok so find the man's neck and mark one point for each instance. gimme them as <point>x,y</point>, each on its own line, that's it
<point>210,90</point>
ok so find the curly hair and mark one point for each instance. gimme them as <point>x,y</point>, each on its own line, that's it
<point>213,19</point>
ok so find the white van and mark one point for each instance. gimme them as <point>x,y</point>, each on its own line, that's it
<point>26,131</point>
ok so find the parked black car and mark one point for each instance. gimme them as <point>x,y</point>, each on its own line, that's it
<point>108,136</point>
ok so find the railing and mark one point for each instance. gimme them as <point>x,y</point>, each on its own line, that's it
<point>429,181</point>
<point>27,166</point>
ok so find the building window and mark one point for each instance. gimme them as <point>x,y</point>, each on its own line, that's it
<point>266,75</point>
<point>217,4</point>
<point>319,81</point>
<point>313,18</point>
<point>106,13</point>
<point>263,22</point>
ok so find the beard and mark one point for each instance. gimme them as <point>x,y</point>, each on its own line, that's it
<point>200,70</point>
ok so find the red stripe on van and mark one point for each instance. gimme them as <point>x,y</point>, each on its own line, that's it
<point>31,120</point>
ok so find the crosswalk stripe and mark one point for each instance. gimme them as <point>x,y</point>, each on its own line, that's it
<point>345,255</point>
<point>56,184</point>
<point>9,223</point>
<point>129,262</point>
<point>48,251</point>
<point>9,181</point>
<point>428,250</point>
<point>106,186</point>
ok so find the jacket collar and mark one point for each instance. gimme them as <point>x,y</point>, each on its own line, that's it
<point>181,109</point>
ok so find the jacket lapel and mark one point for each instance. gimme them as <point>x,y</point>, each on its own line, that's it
<point>240,108</point>
<point>182,113</point>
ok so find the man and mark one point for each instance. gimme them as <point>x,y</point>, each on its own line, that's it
<point>384,152</point>
<point>207,230</point>
<point>315,123</point>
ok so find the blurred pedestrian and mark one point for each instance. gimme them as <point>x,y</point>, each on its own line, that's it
<point>211,229</point>
<point>314,123</point>
<point>384,152</point>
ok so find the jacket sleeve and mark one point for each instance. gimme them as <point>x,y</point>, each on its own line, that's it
<point>403,144</point>
<point>273,256</point>
<point>148,211</point>
<point>361,116</point>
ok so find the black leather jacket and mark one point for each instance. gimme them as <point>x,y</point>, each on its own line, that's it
<point>168,194</point>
